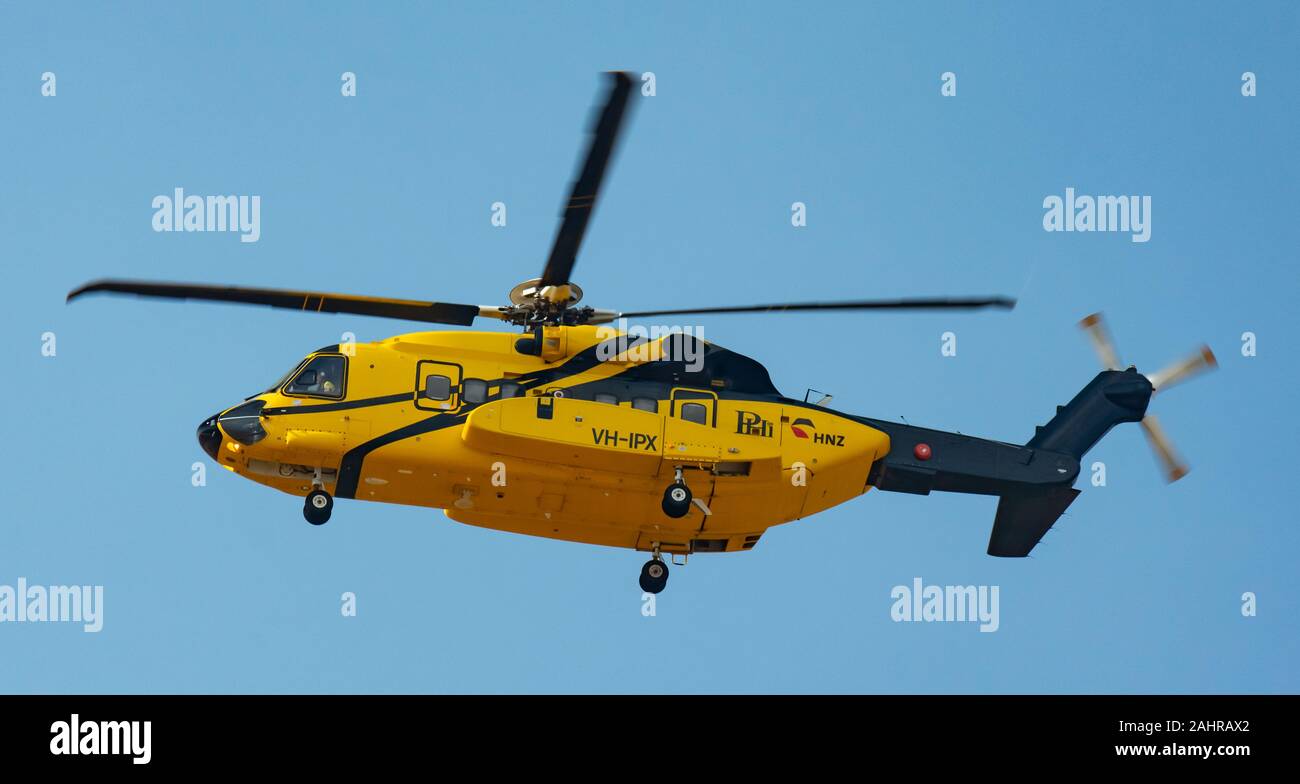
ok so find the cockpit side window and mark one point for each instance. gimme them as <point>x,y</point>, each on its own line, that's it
<point>322,376</point>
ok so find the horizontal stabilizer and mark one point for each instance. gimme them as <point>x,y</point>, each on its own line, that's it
<point>1023,518</point>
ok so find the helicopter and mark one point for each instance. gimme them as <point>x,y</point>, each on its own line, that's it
<point>571,429</point>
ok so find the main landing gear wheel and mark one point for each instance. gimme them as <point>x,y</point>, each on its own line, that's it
<point>317,507</point>
<point>677,500</point>
<point>654,576</point>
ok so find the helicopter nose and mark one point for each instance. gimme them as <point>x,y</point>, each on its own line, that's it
<point>243,423</point>
<point>210,436</point>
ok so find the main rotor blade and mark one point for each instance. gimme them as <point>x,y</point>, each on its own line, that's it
<point>949,303</point>
<point>582,199</point>
<point>410,310</point>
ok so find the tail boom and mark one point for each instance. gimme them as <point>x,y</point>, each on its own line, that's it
<point>1034,482</point>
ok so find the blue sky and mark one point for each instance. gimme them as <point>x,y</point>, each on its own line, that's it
<point>758,105</point>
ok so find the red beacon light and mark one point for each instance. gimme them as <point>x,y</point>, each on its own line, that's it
<point>922,451</point>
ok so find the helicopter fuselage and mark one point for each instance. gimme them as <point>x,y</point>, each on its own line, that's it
<point>574,439</point>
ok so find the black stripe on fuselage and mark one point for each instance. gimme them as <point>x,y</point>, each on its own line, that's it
<point>366,402</point>
<point>350,465</point>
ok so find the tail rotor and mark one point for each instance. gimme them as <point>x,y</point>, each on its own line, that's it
<point>1201,361</point>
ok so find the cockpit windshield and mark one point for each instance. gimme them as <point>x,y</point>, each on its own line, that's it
<point>322,376</point>
<point>276,386</point>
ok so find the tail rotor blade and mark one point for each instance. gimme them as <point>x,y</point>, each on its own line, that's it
<point>1179,372</point>
<point>1173,466</point>
<point>1101,341</point>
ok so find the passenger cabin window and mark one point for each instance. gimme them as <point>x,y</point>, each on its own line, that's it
<point>602,397</point>
<point>509,389</point>
<point>473,390</point>
<point>645,404</point>
<point>437,387</point>
<point>695,412</point>
<point>321,377</point>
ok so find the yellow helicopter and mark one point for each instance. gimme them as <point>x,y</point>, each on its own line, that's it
<point>575,430</point>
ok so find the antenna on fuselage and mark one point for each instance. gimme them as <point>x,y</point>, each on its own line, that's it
<point>825,398</point>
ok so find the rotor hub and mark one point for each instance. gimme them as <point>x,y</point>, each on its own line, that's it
<point>529,292</point>
<point>532,305</point>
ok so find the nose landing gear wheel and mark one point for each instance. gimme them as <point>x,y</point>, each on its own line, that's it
<point>317,507</point>
<point>677,500</point>
<point>654,576</point>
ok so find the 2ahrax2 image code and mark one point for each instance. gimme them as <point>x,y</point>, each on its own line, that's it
<point>618,441</point>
